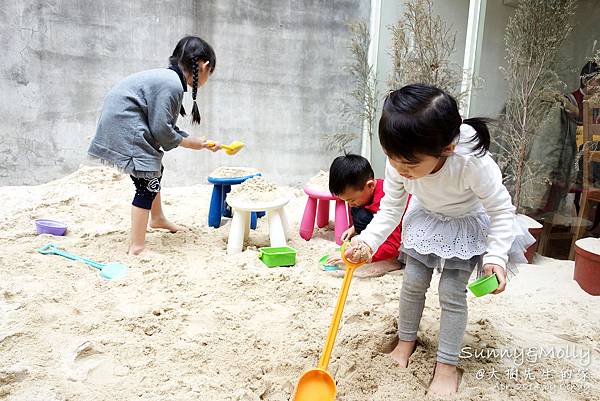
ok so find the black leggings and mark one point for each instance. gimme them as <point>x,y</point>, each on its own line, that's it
<point>146,190</point>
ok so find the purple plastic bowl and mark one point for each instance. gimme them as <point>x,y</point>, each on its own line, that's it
<point>52,227</point>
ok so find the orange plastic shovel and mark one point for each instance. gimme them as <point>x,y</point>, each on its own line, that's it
<point>317,384</point>
<point>230,149</point>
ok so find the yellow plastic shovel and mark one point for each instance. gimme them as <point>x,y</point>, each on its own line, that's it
<point>230,149</point>
<point>317,384</point>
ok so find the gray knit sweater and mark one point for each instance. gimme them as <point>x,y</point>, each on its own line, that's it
<point>137,122</point>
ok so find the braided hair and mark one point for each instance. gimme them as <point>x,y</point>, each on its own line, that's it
<point>195,112</point>
<point>188,54</point>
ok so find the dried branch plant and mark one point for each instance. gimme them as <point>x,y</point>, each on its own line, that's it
<point>340,141</point>
<point>422,44</point>
<point>360,108</point>
<point>533,38</point>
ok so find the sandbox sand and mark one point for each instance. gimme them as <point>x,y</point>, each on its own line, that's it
<point>190,322</point>
<point>589,244</point>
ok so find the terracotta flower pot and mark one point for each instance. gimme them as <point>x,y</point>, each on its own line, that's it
<point>587,265</point>
<point>535,229</point>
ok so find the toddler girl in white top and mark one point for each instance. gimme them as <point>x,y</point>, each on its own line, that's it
<point>460,216</point>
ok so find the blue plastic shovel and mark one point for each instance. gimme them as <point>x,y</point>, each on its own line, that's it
<point>108,271</point>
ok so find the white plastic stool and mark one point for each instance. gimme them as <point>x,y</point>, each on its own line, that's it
<point>240,225</point>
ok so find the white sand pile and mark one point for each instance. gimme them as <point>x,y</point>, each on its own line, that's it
<point>590,244</point>
<point>231,172</point>
<point>190,322</point>
<point>320,181</point>
<point>256,189</point>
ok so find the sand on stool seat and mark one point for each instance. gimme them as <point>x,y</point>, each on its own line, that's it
<point>218,200</point>
<point>240,225</point>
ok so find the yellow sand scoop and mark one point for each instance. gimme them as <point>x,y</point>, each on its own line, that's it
<point>317,384</point>
<point>230,149</point>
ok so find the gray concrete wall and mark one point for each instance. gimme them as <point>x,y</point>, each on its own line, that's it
<point>489,100</point>
<point>276,86</point>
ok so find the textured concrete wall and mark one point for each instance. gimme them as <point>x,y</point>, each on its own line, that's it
<point>489,100</point>
<point>276,86</point>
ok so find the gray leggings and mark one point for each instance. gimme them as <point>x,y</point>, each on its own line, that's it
<point>453,300</point>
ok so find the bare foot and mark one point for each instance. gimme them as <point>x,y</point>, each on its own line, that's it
<point>135,250</point>
<point>378,269</point>
<point>402,352</point>
<point>445,380</point>
<point>163,223</point>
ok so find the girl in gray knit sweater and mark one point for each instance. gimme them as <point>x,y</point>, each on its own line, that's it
<point>138,123</point>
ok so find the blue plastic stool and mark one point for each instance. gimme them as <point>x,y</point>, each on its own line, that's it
<point>218,205</point>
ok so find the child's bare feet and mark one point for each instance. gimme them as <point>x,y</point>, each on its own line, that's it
<point>135,250</point>
<point>402,352</point>
<point>446,379</point>
<point>378,269</point>
<point>163,223</point>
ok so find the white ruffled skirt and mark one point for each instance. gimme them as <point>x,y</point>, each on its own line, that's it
<point>443,242</point>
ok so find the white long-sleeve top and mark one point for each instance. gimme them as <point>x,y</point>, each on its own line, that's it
<point>465,184</point>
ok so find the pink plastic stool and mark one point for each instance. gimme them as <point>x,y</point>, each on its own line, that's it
<point>318,205</point>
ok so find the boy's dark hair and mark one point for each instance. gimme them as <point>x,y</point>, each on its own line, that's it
<point>423,119</point>
<point>349,171</point>
<point>589,70</point>
<point>188,54</point>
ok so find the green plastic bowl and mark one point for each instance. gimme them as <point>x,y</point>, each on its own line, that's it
<point>484,285</point>
<point>323,264</point>
<point>277,256</point>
